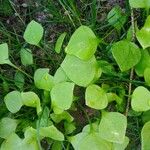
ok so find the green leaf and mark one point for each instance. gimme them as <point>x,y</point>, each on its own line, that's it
<point>126,54</point>
<point>146,116</point>
<point>51,132</point>
<point>13,142</point>
<point>26,56</point>
<point>140,99</point>
<point>86,141</point>
<point>145,134</point>
<point>96,97</point>
<point>143,63</point>
<point>143,35</point>
<point>122,146</point>
<point>83,43</point>
<point>139,3</point>
<point>7,126</point>
<point>59,42</point>
<point>116,18</point>
<point>147,76</point>
<point>62,96</point>
<point>69,127</point>
<point>43,80</point>
<point>57,145</point>
<point>113,127</point>
<point>4,56</point>
<point>33,33</point>
<point>60,76</point>
<point>13,101</point>
<point>32,100</point>
<point>80,72</point>
<point>63,116</point>
<point>19,80</point>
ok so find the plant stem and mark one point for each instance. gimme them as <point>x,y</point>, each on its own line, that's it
<point>132,70</point>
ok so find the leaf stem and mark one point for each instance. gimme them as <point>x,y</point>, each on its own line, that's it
<point>132,70</point>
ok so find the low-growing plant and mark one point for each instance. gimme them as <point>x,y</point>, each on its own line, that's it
<point>55,95</point>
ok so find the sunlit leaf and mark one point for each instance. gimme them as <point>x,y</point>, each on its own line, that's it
<point>116,18</point>
<point>143,35</point>
<point>96,97</point>
<point>59,42</point>
<point>126,54</point>
<point>113,127</point>
<point>4,56</point>
<point>51,132</point>
<point>33,33</point>
<point>139,3</point>
<point>26,56</point>
<point>43,80</point>
<point>145,134</point>
<point>7,126</point>
<point>62,96</point>
<point>32,100</point>
<point>13,101</point>
<point>140,99</point>
<point>13,142</point>
<point>83,43</point>
<point>80,72</point>
<point>143,63</point>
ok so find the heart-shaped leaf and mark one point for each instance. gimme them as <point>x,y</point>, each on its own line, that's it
<point>113,127</point>
<point>26,56</point>
<point>143,35</point>
<point>4,57</point>
<point>33,33</point>
<point>116,18</point>
<point>126,54</point>
<point>43,80</point>
<point>140,99</point>
<point>83,43</point>
<point>96,97</point>
<point>7,126</point>
<point>80,72</point>
<point>13,101</point>
<point>143,63</point>
<point>62,96</point>
<point>60,42</point>
<point>139,3</point>
<point>145,134</point>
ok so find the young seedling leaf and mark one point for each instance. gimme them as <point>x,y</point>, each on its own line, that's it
<point>140,99</point>
<point>33,33</point>
<point>143,63</point>
<point>83,43</point>
<point>147,76</point>
<point>51,132</point>
<point>85,140</point>
<point>4,56</point>
<point>26,56</point>
<point>7,127</point>
<point>113,127</point>
<point>116,18</point>
<point>43,80</point>
<point>126,54</point>
<point>62,96</point>
<point>59,42</point>
<point>143,35</point>
<point>32,100</point>
<point>13,101</point>
<point>145,134</point>
<point>69,127</point>
<point>80,72</point>
<point>96,97</point>
<point>139,3</point>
